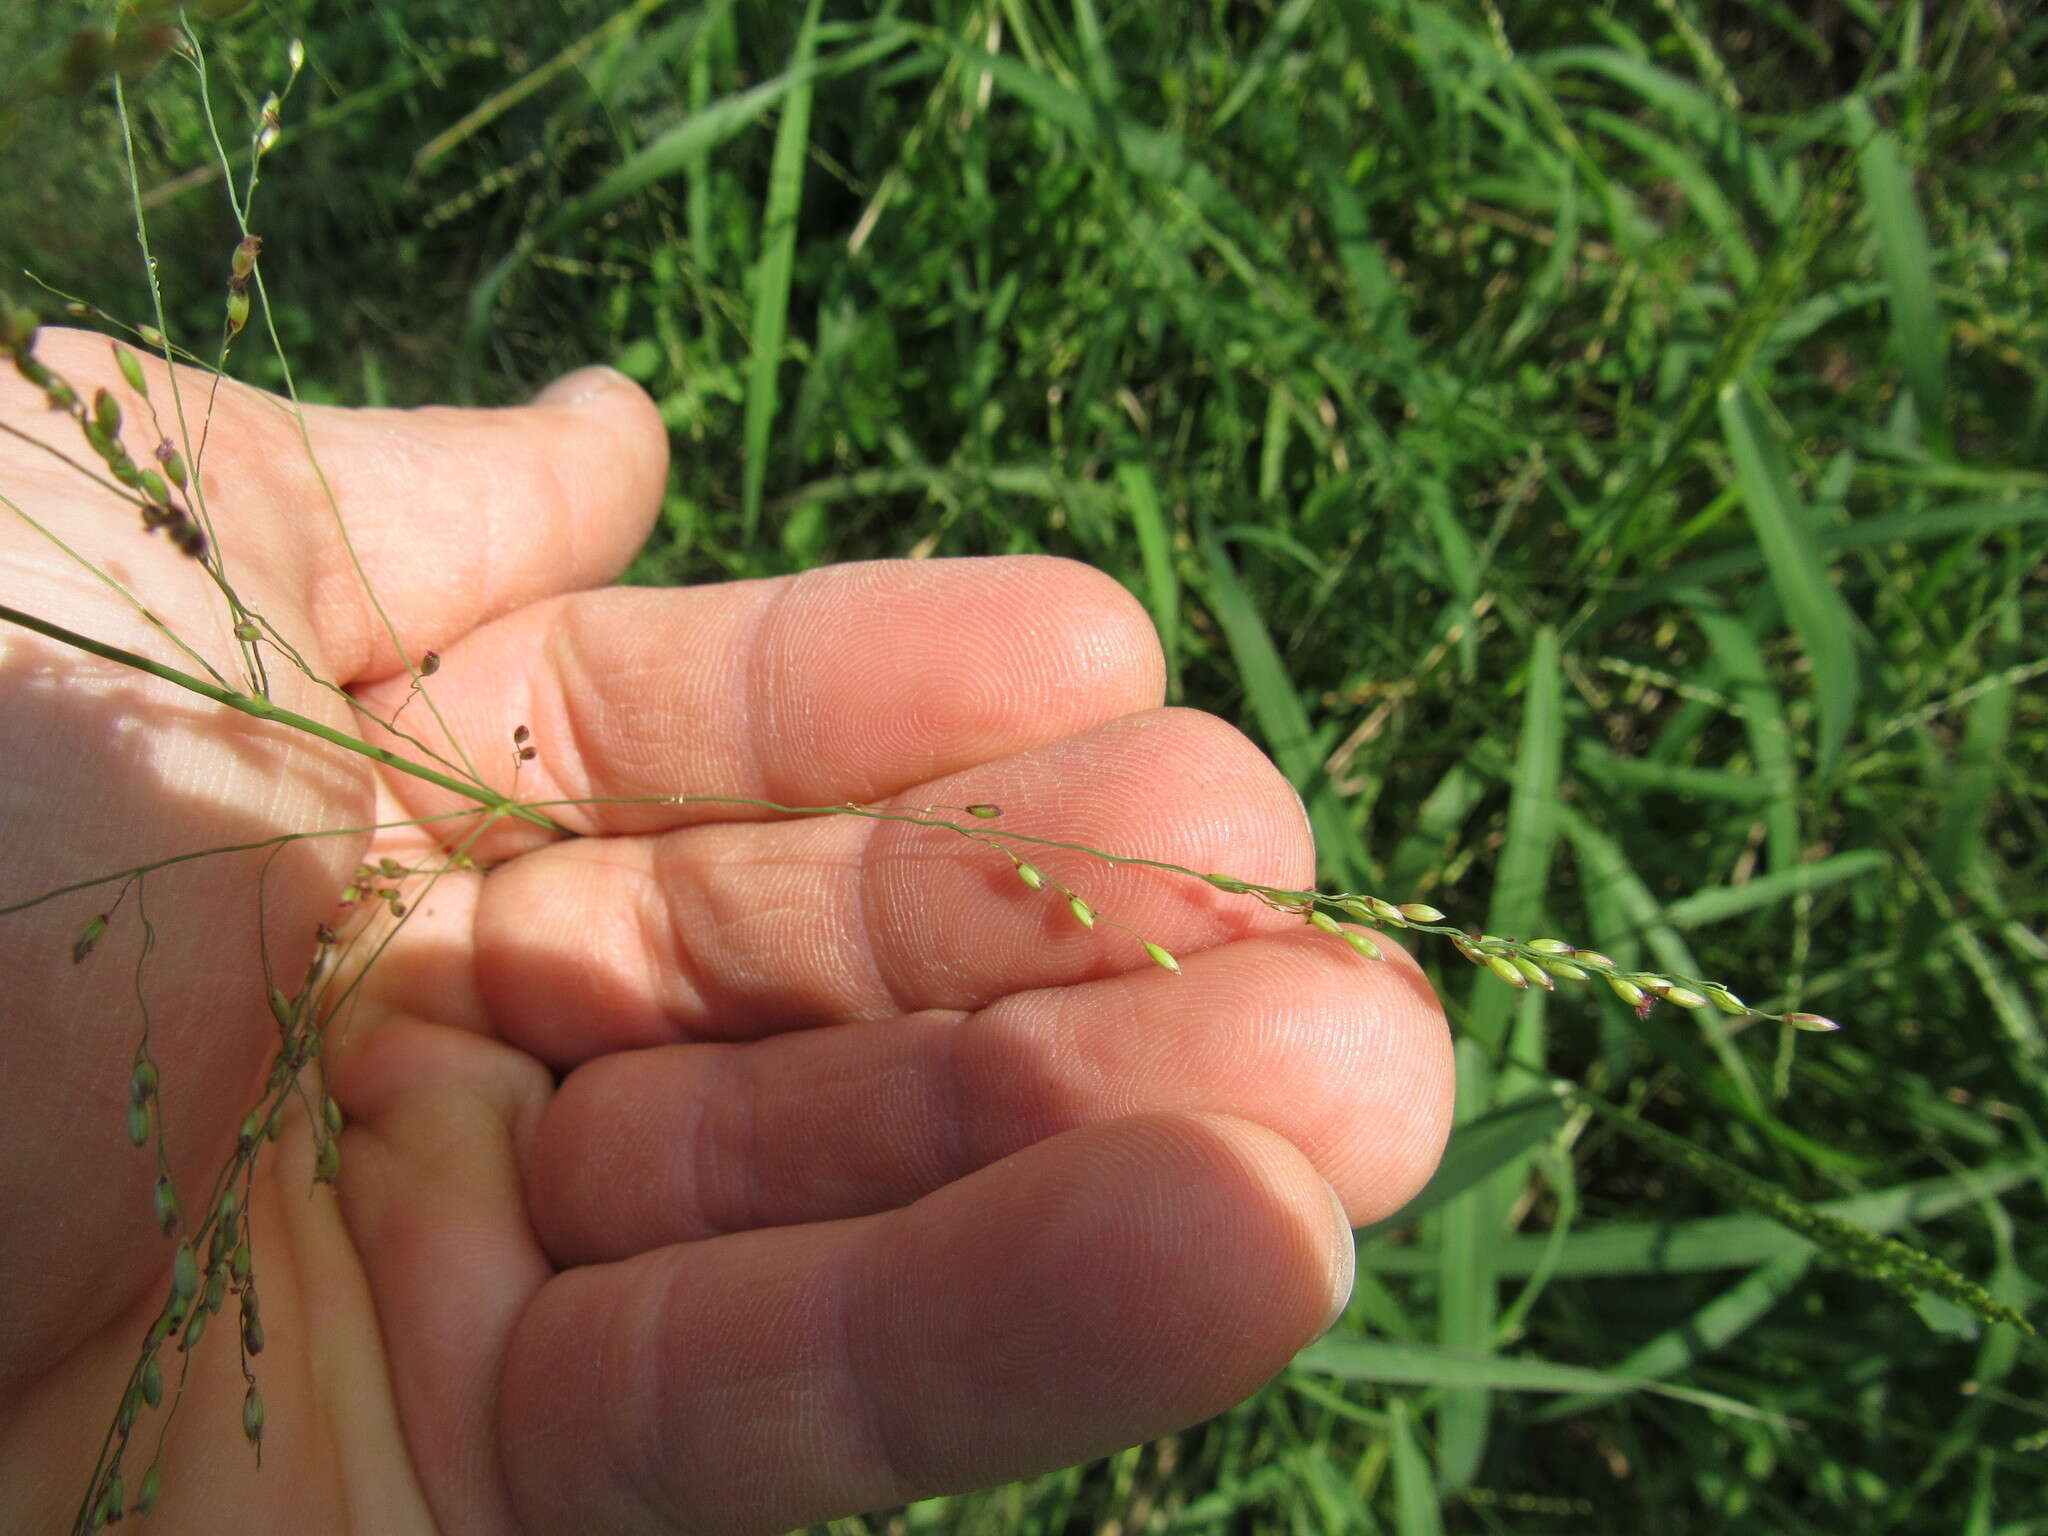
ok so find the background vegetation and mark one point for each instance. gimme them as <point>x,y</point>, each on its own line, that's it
<point>1597,449</point>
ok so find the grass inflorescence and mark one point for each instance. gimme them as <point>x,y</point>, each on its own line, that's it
<point>1598,455</point>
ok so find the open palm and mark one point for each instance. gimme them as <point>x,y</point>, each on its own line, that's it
<point>710,1171</point>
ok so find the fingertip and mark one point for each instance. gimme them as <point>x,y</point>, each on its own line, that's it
<point>630,439</point>
<point>584,385</point>
<point>1344,1273</point>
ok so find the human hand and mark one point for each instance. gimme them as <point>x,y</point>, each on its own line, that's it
<point>706,1171</point>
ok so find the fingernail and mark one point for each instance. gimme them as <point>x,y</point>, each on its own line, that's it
<point>572,389</point>
<point>1346,1274</point>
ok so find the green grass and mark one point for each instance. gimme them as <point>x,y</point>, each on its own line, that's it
<point>1601,452</point>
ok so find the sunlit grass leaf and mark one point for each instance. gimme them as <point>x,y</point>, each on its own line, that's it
<point>770,322</point>
<point>1269,691</point>
<point>1162,587</point>
<point>1718,903</point>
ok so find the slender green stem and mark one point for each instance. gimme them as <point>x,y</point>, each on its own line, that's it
<point>263,709</point>
<point>135,871</point>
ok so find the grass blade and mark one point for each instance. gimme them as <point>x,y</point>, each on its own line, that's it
<point>1905,258</point>
<point>1719,1322</point>
<point>1471,1228</point>
<point>1718,903</point>
<point>1269,691</point>
<point>1415,1501</point>
<point>1519,880</point>
<point>678,149</point>
<point>1815,609</point>
<point>1477,1149</point>
<point>770,322</point>
<point>1162,588</point>
<point>1716,1242</point>
<point>1421,1365</point>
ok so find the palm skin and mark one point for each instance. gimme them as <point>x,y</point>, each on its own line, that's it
<point>709,1171</point>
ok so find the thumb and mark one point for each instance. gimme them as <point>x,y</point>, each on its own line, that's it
<point>458,516</point>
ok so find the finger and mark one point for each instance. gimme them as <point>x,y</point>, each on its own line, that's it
<point>459,516</point>
<point>1093,1291</point>
<point>846,683</point>
<point>456,516</point>
<point>1345,1058</point>
<point>430,1189</point>
<point>743,930</point>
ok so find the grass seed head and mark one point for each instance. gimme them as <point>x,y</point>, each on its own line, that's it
<point>18,326</point>
<point>106,412</point>
<point>88,937</point>
<point>1083,913</point>
<point>1029,874</point>
<point>1684,997</point>
<point>1420,912</point>
<point>184,1273</point>
<point>1160,957</point>
<point>1812,1023</point>
<point>1727,1001</point>
<point>131,370</point>
<point>1364,945</point>
<point>252,1415</point>
<point>1506,970</point>
<point>1324,921</point>
<point>151,1489</point>
<point>138,1124</point>
<point>186,534</point>
<point>168,1214</point>
<point>173,462</point>
<point>243,262</point>
<point>1629,992</point>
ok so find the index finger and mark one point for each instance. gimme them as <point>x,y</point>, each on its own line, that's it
<point>849,683</point>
